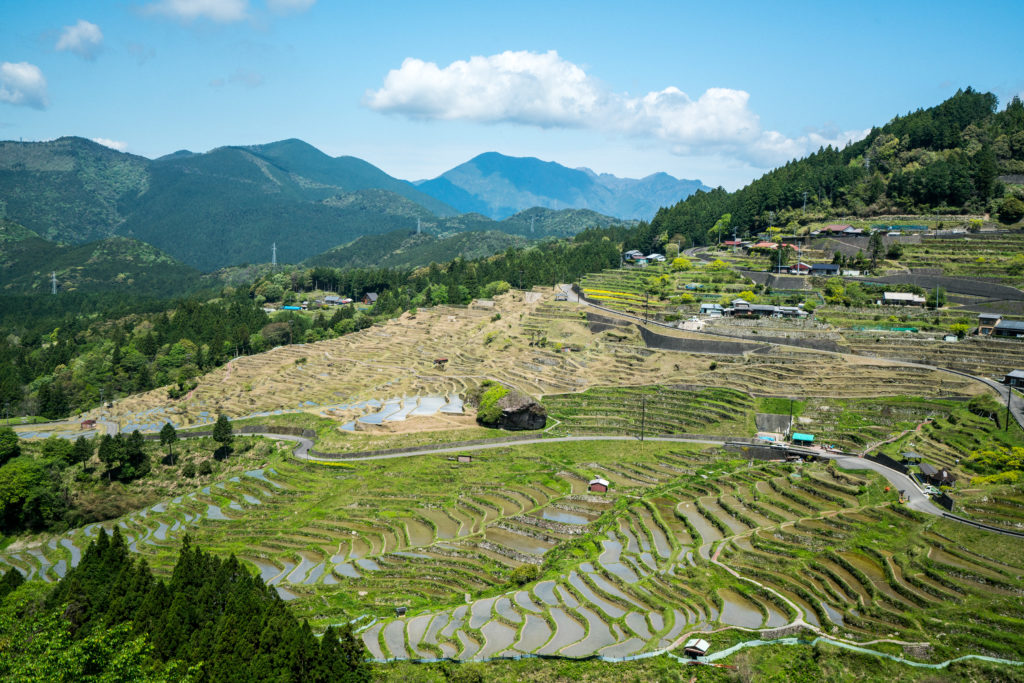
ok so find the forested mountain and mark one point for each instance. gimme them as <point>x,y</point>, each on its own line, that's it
<point>498,186</point>
<point>946,159</point>
<point>405,249</point>
<point>115,264</point>
<point>110,619</point>
<point>469,236</point>
<point>208,210</point>
<point>229,205</point>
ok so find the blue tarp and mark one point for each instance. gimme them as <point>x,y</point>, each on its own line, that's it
<point>797,436</point>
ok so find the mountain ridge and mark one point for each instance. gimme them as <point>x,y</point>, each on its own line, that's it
<point>498,186</point>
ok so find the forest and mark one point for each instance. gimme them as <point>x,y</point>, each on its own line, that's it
<point>111,619</point>
<point>945,159</point>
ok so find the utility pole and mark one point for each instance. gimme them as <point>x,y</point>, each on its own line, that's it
<point>805,202</point>
<point>643,415</point>
<point>273,255</point>
<point>531,223</point>
<point>419,228</point>
<point>53,282</point>
<point>1009,395</point>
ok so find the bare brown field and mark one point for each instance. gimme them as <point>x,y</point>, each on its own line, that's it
<point>527,347</point>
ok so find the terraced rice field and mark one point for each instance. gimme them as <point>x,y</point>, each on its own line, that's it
<point>662,410</point>
<point>687,541</point>
<point>974,355</point>
<point>973,256</point>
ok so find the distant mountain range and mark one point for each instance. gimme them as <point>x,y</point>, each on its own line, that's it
<point>499,186</point>
<point>227,206</point>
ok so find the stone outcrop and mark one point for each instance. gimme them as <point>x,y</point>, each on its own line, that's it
<point>519,411</point>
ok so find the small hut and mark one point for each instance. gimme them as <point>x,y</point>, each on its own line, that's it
<point>598,485</point>
<point>465,458</point>
<point>88,424</point>
<point>696,647</point>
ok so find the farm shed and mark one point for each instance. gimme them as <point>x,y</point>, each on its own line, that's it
<point>598,485</point>
<point>937,477</point>
<point>370,298</point>
<point>1013,379</point>
<point>803,439</point>
<point>696,647</point>
<point>902,299</point>
<point>88,424</point>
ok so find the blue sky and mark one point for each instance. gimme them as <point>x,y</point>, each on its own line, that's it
<point>710,91</point>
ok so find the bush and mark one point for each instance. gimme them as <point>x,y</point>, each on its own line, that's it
<point>524,574</point>
<point>488,410</point>
<point>1011,210</point>
<point>205,468</point>
<point>189,470</point>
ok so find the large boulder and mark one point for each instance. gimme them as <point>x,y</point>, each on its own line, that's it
<point>519,411</point>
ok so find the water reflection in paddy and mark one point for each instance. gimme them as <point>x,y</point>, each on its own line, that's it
<point>556,515</point>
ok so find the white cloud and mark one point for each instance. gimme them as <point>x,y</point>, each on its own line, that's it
<point>285,6</point>
<point>22,83</point>
<point>84,39</point>
<point>224,11</point>
<point>519,87</point>
<point>112,144</point>
<point>243,77</point>
<point>542,89</point>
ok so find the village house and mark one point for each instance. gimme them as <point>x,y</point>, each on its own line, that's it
<point>825,269</point>
<point>598,485</point>
<point>370,298</point>
<point>714,310</point>
<point>1014,379</point>
<point>996,326</point>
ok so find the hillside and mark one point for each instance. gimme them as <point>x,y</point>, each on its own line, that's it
<point>469,236</point>
<point>498,186</point>
<point>70,189</point>
<point>108,265</point>
<point>946,160</point>
<point>223,207</point>
<point>405,249</point>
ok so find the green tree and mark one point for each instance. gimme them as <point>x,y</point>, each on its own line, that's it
<point>1011,210</point>
<point>876,246</point>
<point>682,263</point>
<point>82,451</point>
<point>10,445</point>
<point>222,435</point>
<point>168,437</point>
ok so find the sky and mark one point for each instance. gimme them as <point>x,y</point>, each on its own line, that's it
<point>717,92</point>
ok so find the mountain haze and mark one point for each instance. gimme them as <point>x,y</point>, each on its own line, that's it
<point>498,186</point>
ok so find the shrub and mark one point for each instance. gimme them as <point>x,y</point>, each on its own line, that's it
<point>524,574</point>
<point>205,468</point>
<point>189,470</point>
<point>1011,210</point>
<point>488,410</point>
